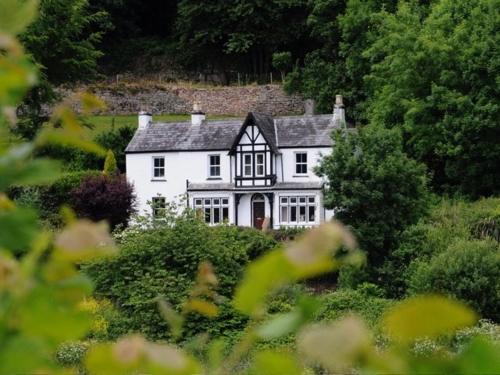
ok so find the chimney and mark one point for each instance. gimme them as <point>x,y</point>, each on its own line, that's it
<point>197,116</point>
<point>144,119</point>
<point>310,107</point>
<point>339,112</point>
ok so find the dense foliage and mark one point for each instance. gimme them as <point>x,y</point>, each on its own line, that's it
<point>467,270</point>
<point>374,187</point>
<point>162,262</point>
<point>453,251</point>
<point>436,77</point>
<point>104,197</point>
<point>65,39</point>
<point>49,198</point>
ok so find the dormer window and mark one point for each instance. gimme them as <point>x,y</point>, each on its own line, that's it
<point>158,167</point>
<point>247,165</point>
<point>214,166</point>
<point>301,163</point>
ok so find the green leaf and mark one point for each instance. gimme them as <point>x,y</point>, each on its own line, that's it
<point>261,277</point>
<point>480,357</point>
<point>427,316</point>
<point>284,324</point>
<point>17,168</point>
<point>44,314</point>
<point>309,256</point>
<point>17,15</point>
<point>275,363</point>
<point>24,355</point>
<point>280,325</point>
<point>18,228</point>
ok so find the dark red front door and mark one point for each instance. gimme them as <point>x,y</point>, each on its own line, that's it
<point>258,214</point>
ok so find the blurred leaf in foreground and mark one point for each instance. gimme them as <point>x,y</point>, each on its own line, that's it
<point>427,316</point>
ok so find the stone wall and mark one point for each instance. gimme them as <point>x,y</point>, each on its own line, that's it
<point>124,99</point>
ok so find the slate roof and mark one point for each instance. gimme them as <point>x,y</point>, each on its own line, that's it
<point>292,131</point>
<point>310,185</point>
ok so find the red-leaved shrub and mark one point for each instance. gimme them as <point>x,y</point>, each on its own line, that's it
<point>104,197</point>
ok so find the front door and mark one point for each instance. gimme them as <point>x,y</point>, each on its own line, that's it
<point>258,211</point>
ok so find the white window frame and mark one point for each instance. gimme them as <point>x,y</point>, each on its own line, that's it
<point>156,209</point>
<point>244,164</point>
<point>210,166</point>
<point>210,205</point>
<point>154,168</point>
<point>296,163</point>
<point>295,202</point>
<point>263,164</point>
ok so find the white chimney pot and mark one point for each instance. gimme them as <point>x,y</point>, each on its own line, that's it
<point>197,116</point>
<point>144,119</point>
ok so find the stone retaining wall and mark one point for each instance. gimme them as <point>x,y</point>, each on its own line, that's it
<point>125,99</point>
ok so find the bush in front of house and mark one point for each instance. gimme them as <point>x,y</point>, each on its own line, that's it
<point>163,261</point>
<point>468,270</point>
<point>104,197</point>
<point>364,301</point>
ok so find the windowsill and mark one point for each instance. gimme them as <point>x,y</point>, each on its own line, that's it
<point>214,178</point>
<point>300,175</point>
<point>158,180</point>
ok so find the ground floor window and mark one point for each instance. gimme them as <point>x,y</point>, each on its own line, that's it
<point>213,210</point>
<point>159,205</point>
<point>298,209</point>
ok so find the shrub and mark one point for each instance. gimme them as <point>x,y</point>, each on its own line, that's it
<point>468,270</point>
<point>362,302</point>
<point>448,222</point>
<point>104,197</point>
<point>49,198</point>
<point>162,261</point>
<point>71,354</point>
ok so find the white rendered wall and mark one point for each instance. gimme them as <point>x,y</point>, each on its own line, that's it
<point>179,167</point>
<point>313,158</point>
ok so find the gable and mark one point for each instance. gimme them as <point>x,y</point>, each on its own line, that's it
<point>257,129</point>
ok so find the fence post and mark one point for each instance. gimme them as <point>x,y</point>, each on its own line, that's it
<point>239,83</point>
<point>271,74</point>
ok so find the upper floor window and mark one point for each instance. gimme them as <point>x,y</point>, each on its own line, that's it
<point>214,166</point>
<point>158,167</point>
<point>247,165</point>
<point>159,205</point>
<point>259,165</point>
<point>301,163</point>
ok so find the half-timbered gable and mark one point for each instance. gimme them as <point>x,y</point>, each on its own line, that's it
<point>254,152</point>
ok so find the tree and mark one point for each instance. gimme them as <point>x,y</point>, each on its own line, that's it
<point>235,34</point>
<point>341,31</point>
<point>436,77</point>
<point>65,39</point>
<point>375,188</point>
<point>110,168</point>
<point>283,62</point>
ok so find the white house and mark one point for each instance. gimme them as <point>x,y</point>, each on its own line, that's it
<point>236,171</point>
